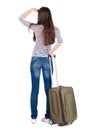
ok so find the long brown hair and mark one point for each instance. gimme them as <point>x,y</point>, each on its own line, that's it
<point>45,18</point>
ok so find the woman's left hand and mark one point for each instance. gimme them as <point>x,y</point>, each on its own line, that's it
<point>51,54</point>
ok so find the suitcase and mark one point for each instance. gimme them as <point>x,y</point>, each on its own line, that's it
<point>63,110</point>
<point>62,105</point>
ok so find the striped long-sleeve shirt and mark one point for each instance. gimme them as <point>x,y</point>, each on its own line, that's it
<point>40,49</point>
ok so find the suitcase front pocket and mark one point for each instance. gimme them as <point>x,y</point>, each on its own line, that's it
<point>68,104</point>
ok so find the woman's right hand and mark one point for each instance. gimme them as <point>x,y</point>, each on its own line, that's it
<point>35,9</point>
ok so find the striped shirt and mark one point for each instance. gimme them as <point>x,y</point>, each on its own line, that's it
<point>40,50</point>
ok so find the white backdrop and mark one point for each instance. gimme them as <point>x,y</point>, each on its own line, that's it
<point>16,46</point>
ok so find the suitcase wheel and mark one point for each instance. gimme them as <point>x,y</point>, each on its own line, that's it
<point>51,122</point>
<point>69,123</point>
<point>64,124</point>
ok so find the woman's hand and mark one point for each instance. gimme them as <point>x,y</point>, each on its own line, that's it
<point>51,54</point>
<point>35,9</point>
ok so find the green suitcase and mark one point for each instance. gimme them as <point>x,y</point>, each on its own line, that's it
<point>63,109</point>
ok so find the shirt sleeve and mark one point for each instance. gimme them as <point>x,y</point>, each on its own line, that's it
<point>58,36</point>
<point>24,22</point>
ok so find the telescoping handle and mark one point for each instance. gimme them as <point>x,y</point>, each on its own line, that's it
<point>55,69</point>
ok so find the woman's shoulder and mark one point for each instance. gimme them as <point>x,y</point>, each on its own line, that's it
<point>56,28</point>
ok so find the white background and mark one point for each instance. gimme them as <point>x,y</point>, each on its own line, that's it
<point>16,46</point>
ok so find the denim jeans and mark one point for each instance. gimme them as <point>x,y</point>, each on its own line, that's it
<point>38,64</point>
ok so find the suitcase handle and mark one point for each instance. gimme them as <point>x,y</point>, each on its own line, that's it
<point>55,66</point>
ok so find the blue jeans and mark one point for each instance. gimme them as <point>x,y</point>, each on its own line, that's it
<point>38,64</point>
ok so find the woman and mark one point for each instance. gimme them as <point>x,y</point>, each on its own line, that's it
<point>44,36</point>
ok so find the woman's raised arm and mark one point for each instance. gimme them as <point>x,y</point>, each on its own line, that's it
<point>25,14</point>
